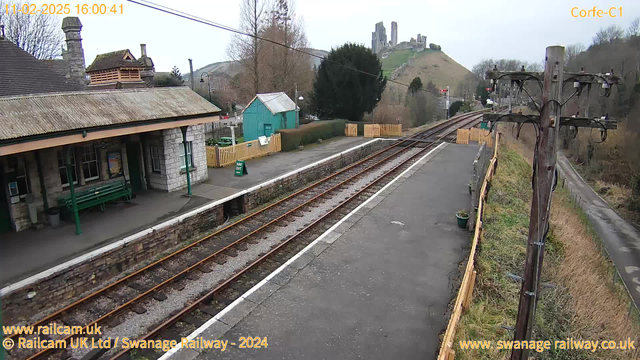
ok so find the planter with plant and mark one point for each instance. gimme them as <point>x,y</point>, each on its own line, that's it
<point>463,217</point>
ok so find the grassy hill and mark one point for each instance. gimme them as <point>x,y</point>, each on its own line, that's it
<point>429,65</point>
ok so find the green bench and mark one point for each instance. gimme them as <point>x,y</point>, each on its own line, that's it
<point>98,195</point>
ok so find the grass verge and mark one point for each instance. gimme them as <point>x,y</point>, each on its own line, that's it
<point>586,303</point>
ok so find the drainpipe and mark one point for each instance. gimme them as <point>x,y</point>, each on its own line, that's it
<point>74,205</point>
<point>186,158</point>
<point>43,189</point>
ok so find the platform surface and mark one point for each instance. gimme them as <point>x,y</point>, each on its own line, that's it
<point>29,252</point>
<point>378,291</point>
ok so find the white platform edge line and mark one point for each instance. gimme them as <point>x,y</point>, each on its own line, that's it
<point>122,243</point>
<point>275,272</point>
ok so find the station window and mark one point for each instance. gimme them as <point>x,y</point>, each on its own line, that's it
<point>18,178</point>
<point>189,155</point>
<point>62,168</point>
<point>22,179</point>
<point>89,162</point>
<point>156,158</point>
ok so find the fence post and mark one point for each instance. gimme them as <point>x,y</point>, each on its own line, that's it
<point>217,156</point>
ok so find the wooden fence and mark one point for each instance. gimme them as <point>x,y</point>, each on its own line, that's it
<point>390,129</point>
<point>481,136</point>
<point>223,156</point>
<point>351,130</point>
<point>463,136</point>
<point>371,130</point>
<point>463,300</point>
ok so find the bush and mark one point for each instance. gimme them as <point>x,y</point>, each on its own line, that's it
<point>433,46</point>
<point>310,133</point>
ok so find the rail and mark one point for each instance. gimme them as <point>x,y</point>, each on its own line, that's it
<point>197,304</point>
<point>463,299</point>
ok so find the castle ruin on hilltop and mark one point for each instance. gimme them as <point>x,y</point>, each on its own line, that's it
<point>379,43</point>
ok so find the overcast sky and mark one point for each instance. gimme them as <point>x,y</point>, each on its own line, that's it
<point>468,31</point>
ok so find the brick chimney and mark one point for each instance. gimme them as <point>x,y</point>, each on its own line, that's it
<point>74,56</point>
<point>149,70</point>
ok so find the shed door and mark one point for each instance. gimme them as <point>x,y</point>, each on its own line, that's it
<point>268,130</point>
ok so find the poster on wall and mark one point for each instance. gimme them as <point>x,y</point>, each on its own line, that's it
<point>114,160</point>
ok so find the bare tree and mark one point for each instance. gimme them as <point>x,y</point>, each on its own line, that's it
<point>247,49</point>
<point>634,28</point>
<point>572,51</point>
<point>481,68</point>
<point>610,34</point>
<point>285,66</point>
<point>38,34</point>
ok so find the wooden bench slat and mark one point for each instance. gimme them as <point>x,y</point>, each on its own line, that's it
<point>97,195</point>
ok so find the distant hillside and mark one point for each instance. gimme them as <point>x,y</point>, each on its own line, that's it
<point>228,69</point>
<point>314,60</point>
<point>429,65</point>
<point>224,69</point>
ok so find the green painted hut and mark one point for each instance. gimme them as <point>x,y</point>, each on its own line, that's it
<point>266,114</point>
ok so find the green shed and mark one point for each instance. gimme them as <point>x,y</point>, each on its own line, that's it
<point>266,114</point>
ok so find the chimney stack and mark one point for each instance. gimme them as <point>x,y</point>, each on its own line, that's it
<point>74,55</point>
<point>149,70</point>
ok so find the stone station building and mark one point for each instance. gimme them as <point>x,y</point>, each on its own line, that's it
<point>133,135</point>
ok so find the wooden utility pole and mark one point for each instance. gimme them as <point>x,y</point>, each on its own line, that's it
<point>543,184</point>
<point>545,175</point>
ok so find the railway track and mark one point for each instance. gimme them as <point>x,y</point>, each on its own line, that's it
<point>109,306</point>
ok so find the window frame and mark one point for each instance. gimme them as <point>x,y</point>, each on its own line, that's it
<point>154,154</point>
<point>92,151</point>
<point>61,158</point>
<point>182,155</point>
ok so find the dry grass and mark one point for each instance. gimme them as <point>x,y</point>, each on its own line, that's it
<point>588,301</point>
<point>601,304</point>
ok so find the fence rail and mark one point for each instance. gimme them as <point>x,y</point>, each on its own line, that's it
<point>463,299</point>
<point>223,156</point>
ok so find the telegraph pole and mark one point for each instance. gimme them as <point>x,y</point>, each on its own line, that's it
<point>543,184</point>
<point>544,178</point>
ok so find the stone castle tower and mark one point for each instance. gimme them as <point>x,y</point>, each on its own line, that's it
<point>394,33</point>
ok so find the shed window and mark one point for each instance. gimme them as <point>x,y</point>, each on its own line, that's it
<point>62,168</point>
<point>189,155</point>
<point>89,158</point>
<point>156,159</point>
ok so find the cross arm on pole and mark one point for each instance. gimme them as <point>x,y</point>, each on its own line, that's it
<point>598,123</point>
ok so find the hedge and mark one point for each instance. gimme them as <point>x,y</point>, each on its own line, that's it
<point>310,133</point>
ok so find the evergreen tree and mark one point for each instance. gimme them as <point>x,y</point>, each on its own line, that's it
<point>348,92</point>
<point>416,85</point>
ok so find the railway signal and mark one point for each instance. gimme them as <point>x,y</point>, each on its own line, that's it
<point>545,175</point>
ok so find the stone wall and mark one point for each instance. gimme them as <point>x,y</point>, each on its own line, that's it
<point>172,142</point>
<point>272,191</point>
<point>63,286</point>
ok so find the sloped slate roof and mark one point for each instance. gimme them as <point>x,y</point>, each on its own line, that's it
<point>276,102</point>
<point>21,73</point>
<point>113,60</point>
<point>23,116</point>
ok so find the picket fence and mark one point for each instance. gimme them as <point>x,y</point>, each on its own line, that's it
<point>224,156</point>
